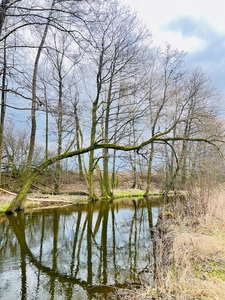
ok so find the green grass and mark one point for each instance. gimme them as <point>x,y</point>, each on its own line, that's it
<point>4,207</point>
<point>128,193</point>
<point>212,269</point>
<point>132,193</point>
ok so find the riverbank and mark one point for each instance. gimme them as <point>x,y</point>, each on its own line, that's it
<point>39,200</point>
<point>72,190</point>
<point>191,251</point>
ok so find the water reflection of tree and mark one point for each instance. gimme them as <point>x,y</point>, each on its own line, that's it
<point>85,248</point>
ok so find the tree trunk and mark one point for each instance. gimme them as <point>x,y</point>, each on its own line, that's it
<point>3,108</point>
<point>34,100</point>
<point>92,195</point>
<point>18,202</point>
<point>58,167</point>
<point>114,180</point>
<point>149,172</point>
<point>3,8</point>
<point>78,137</point>
<point>91,168</point>
<point>106,181</point>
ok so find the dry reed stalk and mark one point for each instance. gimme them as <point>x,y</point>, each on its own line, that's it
<point>197,257</point>
<point>190,261</point>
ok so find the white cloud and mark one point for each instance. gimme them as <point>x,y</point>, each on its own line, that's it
<point>195,26</point>
<point>190,44</point>
<point>161,12</point>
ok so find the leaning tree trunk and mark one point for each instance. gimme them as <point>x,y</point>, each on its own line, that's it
<point>18,202</point>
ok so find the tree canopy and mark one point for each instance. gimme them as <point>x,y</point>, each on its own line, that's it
<point>84,80</point>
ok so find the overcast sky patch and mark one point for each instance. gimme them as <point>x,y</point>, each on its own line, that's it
<point>188,26</point>
<point>210,54</point>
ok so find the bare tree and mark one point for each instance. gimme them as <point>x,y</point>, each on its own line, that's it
<point>28,19</point>
<point>160,103</point>
<point>117,52</point>
<point>202,105</point>
<point>165,81</point>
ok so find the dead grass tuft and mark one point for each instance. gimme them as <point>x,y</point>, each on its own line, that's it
<point>190,250</point>
<point>196,268</point>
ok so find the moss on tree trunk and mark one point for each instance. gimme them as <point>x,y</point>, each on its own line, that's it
<point>18,202</point>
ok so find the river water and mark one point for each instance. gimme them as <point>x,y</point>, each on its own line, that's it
<point>84,251</point>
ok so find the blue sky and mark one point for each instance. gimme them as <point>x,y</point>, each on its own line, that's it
<point>197,27</point>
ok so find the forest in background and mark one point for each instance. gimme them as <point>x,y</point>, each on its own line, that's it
<point>83,89</point>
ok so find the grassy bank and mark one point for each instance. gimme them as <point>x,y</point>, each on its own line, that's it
<point>72,189</point>
<point>195,268</point>
<point>39,200</point>
<point>190,250</point>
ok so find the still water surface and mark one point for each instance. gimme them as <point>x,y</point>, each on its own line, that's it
<point>80,252</point>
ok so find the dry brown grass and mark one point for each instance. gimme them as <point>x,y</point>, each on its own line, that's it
<point>190,261</point>
<point>196,267</point>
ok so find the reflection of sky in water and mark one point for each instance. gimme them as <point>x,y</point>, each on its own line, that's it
<point>85,249</point>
